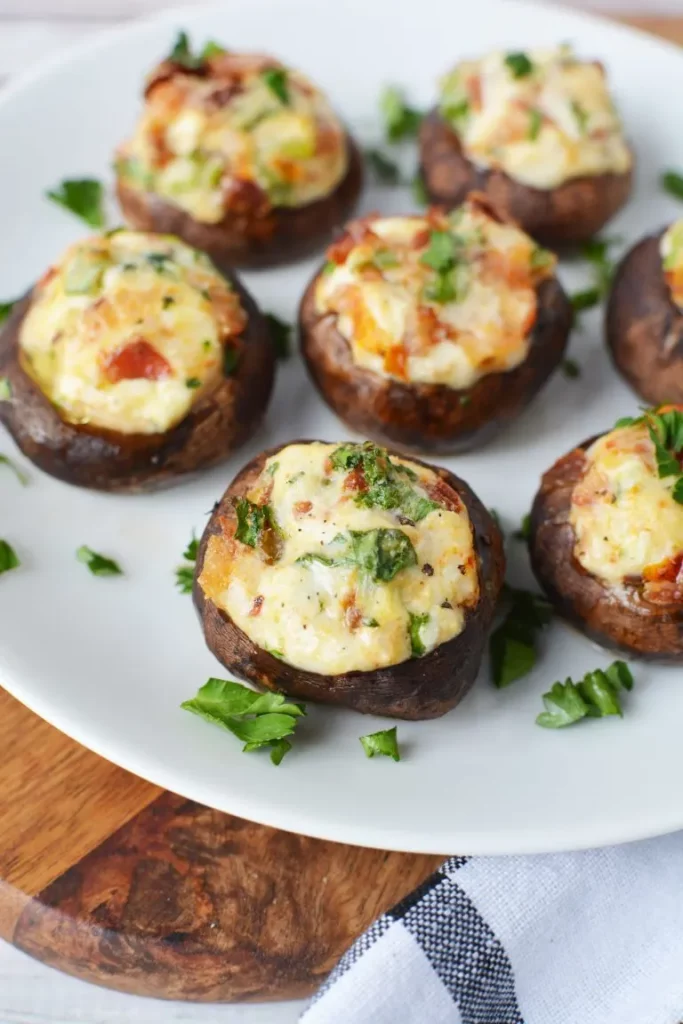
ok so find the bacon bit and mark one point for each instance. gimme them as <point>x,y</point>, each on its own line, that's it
<point>44,281</point>
<point>353,616</point>
<point>256,606</point>
<point>246,198</point>
<point>138,360</point>
<point>328,467</point>
<point>357,232</point>
<point>444,495</point>
<point>302,508</point>
<point>355,480</point>
<point>429,330</point>
<point>669,569</point>
<point>437,218</point>
<point>396,362</point>
<point>421,239</point>
<point>663,593</point>
<point>161,154</point>
<point>326,140</point>
<point>222,94</point>
<point>166,91</point>
<point>237,66</point>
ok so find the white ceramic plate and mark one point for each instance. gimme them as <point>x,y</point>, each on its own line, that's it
<point>108,661</point>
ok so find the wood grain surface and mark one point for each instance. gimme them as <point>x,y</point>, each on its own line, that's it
<point>106,877</point>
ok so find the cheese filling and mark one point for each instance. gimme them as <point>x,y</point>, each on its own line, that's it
<point>128,330</point>
<point>542,117</point>
<point>345,560</point>
<point>671,252</point>
<point>239,135</point>
<point>438,299</point>
<point>628,525</point>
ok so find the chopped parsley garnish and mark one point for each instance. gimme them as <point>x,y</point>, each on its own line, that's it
<point>6,308</point>
<point>182,53</point>
<point>581,115</point>
<point>5,389</point>
<point>384,170</point>
<point>379,554</point>
<point>99,565</point>
<point>666,433</point>
<point>419,190</point>
<point>384,259</point>
<point>257,719</point>
<point>672,182</point>
<point>519,64</point>
<point>276,80</point>
<point>452,276</point>
<point>159,260</point>
<point>441,252</point>
<point>252,521</point>
<point>388,484</point>
<point>281,333</point>
<point>190,552</point>
<point>84,197</point>
<point>512,645</point>
<point>586,299</point>
<point>231,358</point>
<point>597,695</point>
<point>212,49</point>
<point>571,369</point>
<point>415,624</point>
<point>596,251</point>
<point>8,557</point>
<point>524,531</point>
<point>400,120</point>
<point>457,112</point>
<point>535,122</point>
<point>193,383</point>
<point>540,258</point>
<point>19,473</point>
<point>184,574</point>
<point>384,743</point>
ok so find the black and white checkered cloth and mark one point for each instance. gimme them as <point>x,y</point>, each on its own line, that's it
<point>584,938</point>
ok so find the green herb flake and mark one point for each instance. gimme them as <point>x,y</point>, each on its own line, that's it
<point>400,120</point>
<point>419,190</point>
<point>379,554</point>
<point>184,578</point>
<point>385,171</point>
<point>5,389</point>
<point>276,80</point>
<point>211,49</point>
<point>6,308</point>
<point>190,552</point>
<point>383,743</point>
<point>257,719</point>
<point>193,383</point>
<point>84,197</point>
<point>415,624</point>
<point>389,486</point>
<point>586,299</point>
<point>597,695</point>
<point>182,54</point>
<point>535,124</point>
<point>457,113</point>
<point>252,520</point>
<point>8,557</point>
<point>231,359</point>
<point>581,116</point>
<point>672,182</point>
<point>441,251</point>
<point>524,532</point>
<point>541,258</point>
<point>519,65</point>
<point>19,473</point>
<point>329,268</point>
<point>99,565</point>
<point>512,645</point>
<point>281,334</point>
<point>571,369</point>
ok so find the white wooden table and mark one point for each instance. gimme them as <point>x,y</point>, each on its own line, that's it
<point>31,30</point>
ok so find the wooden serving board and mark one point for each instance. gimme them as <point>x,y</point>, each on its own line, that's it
<point>115,881</point>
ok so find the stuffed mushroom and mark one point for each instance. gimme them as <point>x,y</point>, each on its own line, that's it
<point>433,332</point>
<point>133,361</point>
<point>539,134</point>
<point>606,537</point>
<point>644,326</point>
<point>345,574</point>
<point>240,156</point>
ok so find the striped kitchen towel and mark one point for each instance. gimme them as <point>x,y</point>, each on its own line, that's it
<point>582,938</point>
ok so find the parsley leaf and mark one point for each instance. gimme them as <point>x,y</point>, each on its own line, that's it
<point>388,485</point>
<point>231,359</point>
<point>419,190</point>
<point>535,124</point>
<point>400,120</point>
<point>8,557</point>
<point>524,531</point>
<point>211,49</point>
<point>184,578</point>
<point>586,299</point>
<point>383,743</point>
<point>415,624</point>
<point>512,646</point>
<point>276,80</point>
<point>384,170</point>
<point>252,520</point>
<point>281,333</point>
<point>452,277</point>
<point>571,369</point>
<point>519,64</point>
<point>257,719</point>
<point>84,197</point>
<point>6,308</point>
<point>672,182</point>
<point>182,53</point>
<point>595,696</point>
<point>441,252</point>
<point>5,389</point>
<point>190,552</point>
<point>99,565</point>
<point>379,554</point>
<point>19,473</point>
<point>666,433</point>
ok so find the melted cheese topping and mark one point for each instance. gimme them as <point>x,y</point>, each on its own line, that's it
<point>330,616</point>
<point>242,133</point>
<point>543,117</point>
<point>406,319</point>
<point>671,252</point>
<point>627,524</point>
<point>128,330</point>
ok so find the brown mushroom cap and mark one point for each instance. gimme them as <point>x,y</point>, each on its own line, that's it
<point>418,688</point>
<point>644,328</point>
<point>218,422</point>
<point>283,235</point>
<point>573,212</point>
<point>431,418</point>
<point>624,620</point>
